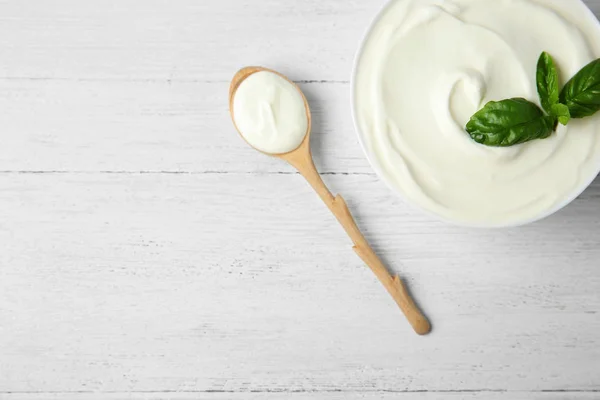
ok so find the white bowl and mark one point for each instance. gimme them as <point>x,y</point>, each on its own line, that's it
<point>591,18</point>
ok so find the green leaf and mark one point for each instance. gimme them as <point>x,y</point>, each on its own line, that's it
<point>582,93</point>
<point>510,122</point>
<point>547,81</point>
<point>561,112</point>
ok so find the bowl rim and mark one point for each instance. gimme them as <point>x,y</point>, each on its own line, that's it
<point>412,204</point>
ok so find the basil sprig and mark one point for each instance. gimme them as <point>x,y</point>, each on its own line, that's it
<point>515,121</point>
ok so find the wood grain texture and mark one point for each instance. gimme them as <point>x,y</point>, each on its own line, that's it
<point>147,282</point>
<point>305,396</point>
<point>142,251</point>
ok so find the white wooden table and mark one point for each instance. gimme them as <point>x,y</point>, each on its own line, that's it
<point>147,253</point>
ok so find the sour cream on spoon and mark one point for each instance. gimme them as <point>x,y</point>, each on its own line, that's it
<point>270,113</point>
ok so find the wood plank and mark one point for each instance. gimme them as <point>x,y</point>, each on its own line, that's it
<point>182,39</point>
<point>305,396</point>
<point>154,126</point>
<point>237,282</point>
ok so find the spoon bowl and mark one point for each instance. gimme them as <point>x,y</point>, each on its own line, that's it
<point>245,73</point>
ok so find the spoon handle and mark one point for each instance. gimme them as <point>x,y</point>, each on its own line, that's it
<point>303,162</point>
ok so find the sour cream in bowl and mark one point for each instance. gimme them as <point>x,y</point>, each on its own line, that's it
<point>426,66</point>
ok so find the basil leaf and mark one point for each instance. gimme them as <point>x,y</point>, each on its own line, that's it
<point>547,82</point>
<point>561,112</point>
<point>582,93</point>
<point>509,122</point>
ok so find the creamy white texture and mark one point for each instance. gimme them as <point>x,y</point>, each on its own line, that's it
<point>428,65</point>
<point>270,113</point>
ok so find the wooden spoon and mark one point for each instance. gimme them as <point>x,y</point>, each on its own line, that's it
<point>302,160</point>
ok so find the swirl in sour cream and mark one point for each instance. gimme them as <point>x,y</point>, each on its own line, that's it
<point>428,65</point>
